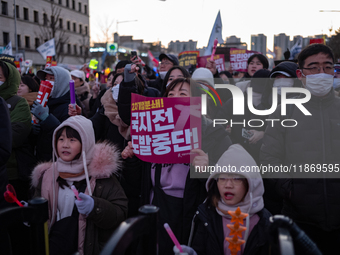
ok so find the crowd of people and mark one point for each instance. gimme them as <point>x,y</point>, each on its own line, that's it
<point>87,147</point>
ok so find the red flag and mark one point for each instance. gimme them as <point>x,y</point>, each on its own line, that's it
<point>152,58</point>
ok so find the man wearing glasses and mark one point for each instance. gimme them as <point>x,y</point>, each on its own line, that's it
<point>312,201</point>
<point>167,61</point>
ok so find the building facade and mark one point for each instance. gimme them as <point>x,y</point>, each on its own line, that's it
<point>281,44</point>
<point>178,47</point>
<point>38,21</point>
<point>259,43</point>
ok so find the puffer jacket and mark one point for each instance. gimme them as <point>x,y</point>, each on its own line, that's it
<point>110,202</point>
<point>20,120</point>
<point>209,235</point>
<point>315,140</point>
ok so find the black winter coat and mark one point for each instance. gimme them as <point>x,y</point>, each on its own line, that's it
<point>315,140</point>
<point>5,148</point>
<point>208,237</point>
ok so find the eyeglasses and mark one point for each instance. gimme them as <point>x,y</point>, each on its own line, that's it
<point>236,180</point>
<point>166,63</point>
<point>326,69</point>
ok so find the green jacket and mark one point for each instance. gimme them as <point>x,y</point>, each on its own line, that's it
<point>20,118</point>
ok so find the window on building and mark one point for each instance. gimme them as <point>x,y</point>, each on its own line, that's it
<point>61,48</point>
<point>81,50</point>
<point>25,13</point>
<point>37,42</point>
<point>79,7</point>
<point>60,2</point>
<point>67,3</point>
<point>4,8</point>
<point>52,21</point>
<point>74,27</point>
<point>85,9</point>
<point>86,30</point>
<point>86,51</point>
<point>27,42</point>
<point>5,37</point>
<point>69,48</point>
<point>36,16</point>
<point>61,23</point>
<point>73,4</point>
<point>75,49</point>
<point>80,28</point>
<point>17,11</point>
<point>45,19</point>
<point>19,41</point>
<point>68,25</point>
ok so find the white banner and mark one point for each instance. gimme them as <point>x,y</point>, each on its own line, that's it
<point>216,32</point>
<point>7,50</point>
<point>47,49</point>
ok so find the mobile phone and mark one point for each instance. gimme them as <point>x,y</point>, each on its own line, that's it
<point>133,54</point>
<point>246,133</point>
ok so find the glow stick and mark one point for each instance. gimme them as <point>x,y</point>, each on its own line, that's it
<point>214,50</point>
<point>172,236</point>
<point>72,94</point>
<point>75,191</point>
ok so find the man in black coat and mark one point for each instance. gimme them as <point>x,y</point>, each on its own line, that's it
<point>312,148</point>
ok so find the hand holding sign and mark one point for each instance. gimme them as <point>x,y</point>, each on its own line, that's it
<point>211,65</point>
<point>128,151</point>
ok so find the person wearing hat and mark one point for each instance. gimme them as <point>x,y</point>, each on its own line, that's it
<point>17,170</point>
<point>167,61</point>
<point>56,110</point>
<point>82,90</point>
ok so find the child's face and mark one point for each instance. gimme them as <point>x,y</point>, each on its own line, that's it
<point>231,188</point>
<point>68,148</point>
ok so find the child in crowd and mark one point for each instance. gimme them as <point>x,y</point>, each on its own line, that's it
<point>227,190</point>
<point>83,225</point>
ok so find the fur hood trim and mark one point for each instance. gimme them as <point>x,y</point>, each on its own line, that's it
<point>105,161</point>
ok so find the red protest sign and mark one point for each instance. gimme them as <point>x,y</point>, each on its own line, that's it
<point>48,61</point>
<point>239,58</point>
<point>318,40</point>
<point>219,60</point>
<point>164,130</point>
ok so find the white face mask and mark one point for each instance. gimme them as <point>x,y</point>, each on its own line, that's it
<point>336,83</point>
<point>319,84</point>
<point>115,92</point>
<point>237,79</point>
<point>1,82</point>
<point>162,74</point>
<point>52,82</point>
<point>283,82</point>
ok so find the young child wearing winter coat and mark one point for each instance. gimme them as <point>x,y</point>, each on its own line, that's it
<point>227,190</point>
<point>80,225</point>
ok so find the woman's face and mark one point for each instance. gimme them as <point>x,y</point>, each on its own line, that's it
<point>180,90</point>
<point>231,188</point>
<point>77,81</point>
<point>109,81</point>
<point>176,73</point>
<point>254,65</point>
<point>23,89</point>
<point>118,80</point>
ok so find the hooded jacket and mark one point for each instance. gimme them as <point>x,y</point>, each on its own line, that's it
<point>110,203</point>
<point>58,111</point>
<point>20,118</point>
<point>208,230</point>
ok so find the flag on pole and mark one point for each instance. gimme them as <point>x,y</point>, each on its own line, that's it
<point>8,49</point>
<point>152,58</point>
<point>296,49</point>
<point>47,49</point>
<point>216,32</point>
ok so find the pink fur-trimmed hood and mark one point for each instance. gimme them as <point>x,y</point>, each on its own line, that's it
<point>105,161</point>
